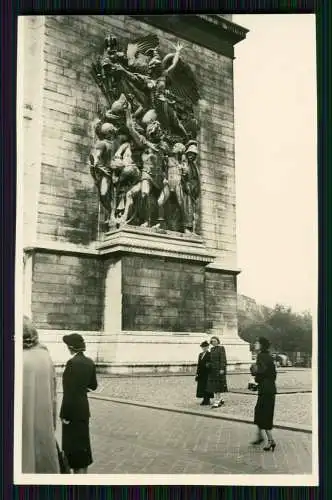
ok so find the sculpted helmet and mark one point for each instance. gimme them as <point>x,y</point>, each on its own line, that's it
<point>150,116</point>
<point>192,147</point>
<point>178,148</point>
<point>117,110</point>
<point>108,130</point>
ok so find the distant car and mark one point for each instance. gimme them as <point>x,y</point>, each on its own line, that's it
<point>281,359</point>
<point>301,363</point>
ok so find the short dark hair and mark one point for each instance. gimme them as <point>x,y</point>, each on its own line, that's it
<point>216,338</point>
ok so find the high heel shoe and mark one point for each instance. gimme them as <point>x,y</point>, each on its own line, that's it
<point>270,447</point>
<point>257,441</point>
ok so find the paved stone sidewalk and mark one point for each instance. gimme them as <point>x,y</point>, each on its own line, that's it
<point>180,392</point>
<point>134,440</point>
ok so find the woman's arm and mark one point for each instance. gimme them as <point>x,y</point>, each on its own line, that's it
<point>220,367</point>
<point>261,364</point>
<point>198,364</point>
<point>223,358</point>
<point>93,382</point>
<point>54,394</point>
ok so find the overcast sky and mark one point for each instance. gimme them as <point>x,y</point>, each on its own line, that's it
<point>276,159</point>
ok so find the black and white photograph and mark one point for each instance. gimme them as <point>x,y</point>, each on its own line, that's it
<point>166,250</point>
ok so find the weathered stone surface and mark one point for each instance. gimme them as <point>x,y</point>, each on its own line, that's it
<point>70,102</point>
<point>67,292</point>
<point>162,295</point>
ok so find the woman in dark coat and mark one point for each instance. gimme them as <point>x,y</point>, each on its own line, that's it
<point>202,374</point>
<point>217,383</point>
<point>265,375</point>
<point>78,379</point>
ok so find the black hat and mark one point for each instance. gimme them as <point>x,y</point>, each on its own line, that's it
<point>264,343</point>
<point>75,341</point>
<point>204,344</point>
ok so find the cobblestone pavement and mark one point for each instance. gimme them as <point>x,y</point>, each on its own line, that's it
<point>179,391</point>
<point>134,440</point>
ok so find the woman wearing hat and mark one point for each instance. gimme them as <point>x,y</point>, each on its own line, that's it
<point>79,377</point>
<point>217,372</point>
<point>265,375</point>
<point>39,451</point>
<point>202,374</point>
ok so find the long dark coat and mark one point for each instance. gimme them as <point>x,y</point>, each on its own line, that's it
<point>217,382</point>
<point>202,374</point>
<point>79,376</point>
<point>265,376</point>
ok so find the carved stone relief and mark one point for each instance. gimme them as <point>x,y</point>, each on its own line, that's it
<point>144,160</point>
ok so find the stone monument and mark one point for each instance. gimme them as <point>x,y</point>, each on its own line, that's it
<point>133,238</point>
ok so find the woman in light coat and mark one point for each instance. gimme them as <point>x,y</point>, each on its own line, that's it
<point>217,382</point>
<point>39,451</point>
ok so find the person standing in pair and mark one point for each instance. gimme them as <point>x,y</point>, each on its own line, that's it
<point>202,374</point>
<point>78,379</point>
<point>39,450</point>
<point>265,374</point>
<point>217,383</point>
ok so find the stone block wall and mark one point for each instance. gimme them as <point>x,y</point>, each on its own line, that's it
<point>162,295</point>
<point>221,302</point>
<point>68,208</point>
<point>67,292</point>
<point>64,200</point>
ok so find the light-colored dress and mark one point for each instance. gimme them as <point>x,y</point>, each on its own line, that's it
<point>39,452</point>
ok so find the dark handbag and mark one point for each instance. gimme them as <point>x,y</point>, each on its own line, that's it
<point>63,462</point>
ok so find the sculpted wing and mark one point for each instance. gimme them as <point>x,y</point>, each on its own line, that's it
<point>182,82</point>
<point>141,45</point>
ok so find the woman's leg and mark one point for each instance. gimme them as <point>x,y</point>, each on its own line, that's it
<point>269,436</point>
<point>271,442</point>
<point>217,400</point>
<point>83,470</point>
<point>259,437</point>
<point>206,399</point>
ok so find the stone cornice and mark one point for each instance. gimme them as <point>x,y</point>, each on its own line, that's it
<point>219,267</point>
<point>235,32</point>
<point>143,242</point>
<point>150,242</point>
<point>211,31</point>
<point>62,247</point>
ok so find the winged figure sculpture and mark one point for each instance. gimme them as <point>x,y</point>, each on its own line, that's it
<point>145,133</point>
<point>166,84</point>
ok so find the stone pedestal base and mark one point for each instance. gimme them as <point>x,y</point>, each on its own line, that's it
<point>163,294</point>
<point>136,353</point>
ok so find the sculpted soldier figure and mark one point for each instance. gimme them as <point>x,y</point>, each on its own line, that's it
<point>173,182</point>
<point>154,152</point>
<point>139,162</point>
<point>113,162</point>
<point>191,186</point>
